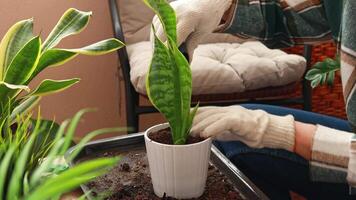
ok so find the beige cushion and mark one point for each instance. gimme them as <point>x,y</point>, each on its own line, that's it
<point>136,18</point>
<point>226,67</point>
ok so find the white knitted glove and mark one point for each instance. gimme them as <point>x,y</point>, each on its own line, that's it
<point>256,128</point>
<point>194,15</point>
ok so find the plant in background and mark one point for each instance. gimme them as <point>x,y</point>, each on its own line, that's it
<point>31,150</point>
<point>23,56</point>
<point>169,81</point>
<point>323,72</point>
<point>31,164</point>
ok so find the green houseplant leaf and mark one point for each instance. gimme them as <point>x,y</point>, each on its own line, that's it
<point>24,106</point>
<point>48,86</point>
<point>56,57</point>
<point>72,22</point>
<point>24,62</point>
<point>21,68</point>
<point>169,81</point>
<point>72,178</point>
<point>166,15</point>
<point>323,72</point>
<point>17,36</point>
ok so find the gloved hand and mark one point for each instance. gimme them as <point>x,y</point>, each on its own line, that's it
<point>256,128</point>
<point>194,15</point>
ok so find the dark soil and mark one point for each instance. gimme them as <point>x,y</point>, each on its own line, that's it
<point>164,136</point>
<point>130,179</point>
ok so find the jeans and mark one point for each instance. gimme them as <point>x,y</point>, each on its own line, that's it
<point>277,172</point>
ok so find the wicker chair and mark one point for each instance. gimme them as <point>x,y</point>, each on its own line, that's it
<point>271,95</point>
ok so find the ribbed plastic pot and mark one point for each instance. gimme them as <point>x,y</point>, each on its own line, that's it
<point>178,171</point>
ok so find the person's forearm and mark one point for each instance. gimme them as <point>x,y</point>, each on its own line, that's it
<point>304,134</point>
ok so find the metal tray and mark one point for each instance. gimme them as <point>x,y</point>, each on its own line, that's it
<point>135,141</point>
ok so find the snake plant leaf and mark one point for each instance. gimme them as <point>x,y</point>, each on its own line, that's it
<point>185,79</point>
<point>161,86</point>
<point>169,87</point>
<point>166,15</point>
<point>15,87</point>
<point>49,86</point>
<point>24,63</point>
<point>24,107</point>
<point>99,48</point>
<point>55,57</point>
<point>8,90</point>
<point>15,38</point>
<point>191,118</point>
<point>72,22</point>
<point>169,81</point>
<point>72,178</point>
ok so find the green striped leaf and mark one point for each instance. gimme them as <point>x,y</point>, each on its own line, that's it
<point>20,69</point>
<point>169,88</point>
<point>15,87</point>
<point>24,63</point>
<point>166,15</point>
<point>56,57</point>
<point>72,22</point>
<point>25,106</point>
<point>99,48</point>
<point>48,86</point>
<point>15,38</point>
<point>169,81</point>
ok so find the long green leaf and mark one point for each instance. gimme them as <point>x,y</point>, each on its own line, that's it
<point>57,144</point>
<point>72,22</point>
<point>72,178</point>
<point>161,87</point>
<point>166,15</point>
<point>169,88</point>
<point>90,136</point>
<point>52,57</point>
<point>25,106</point>
<point>169,81</point>
<point>99,48</point>
<point>48,86</point>
<point>71,130</point>
<point>20,69</point>
<point>56,57</point>
<point>14,190</point>
<point>185,85</point>
<point>15,87</point>
<point>5,167</point>
<point>24,63</point>
<point>15,38</point>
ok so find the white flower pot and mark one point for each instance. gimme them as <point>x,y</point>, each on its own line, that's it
<point>179,171</point>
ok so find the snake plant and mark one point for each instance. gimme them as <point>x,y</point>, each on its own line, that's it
<point>24,55</point>
<point>169,80</point>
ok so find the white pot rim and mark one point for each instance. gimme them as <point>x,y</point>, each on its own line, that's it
<point>165,125</point>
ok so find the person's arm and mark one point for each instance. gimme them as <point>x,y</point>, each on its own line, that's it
<point>304,134</point>
<point>322,144</point>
